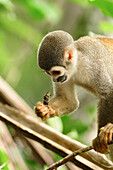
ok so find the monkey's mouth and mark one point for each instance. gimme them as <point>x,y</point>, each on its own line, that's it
<point>60,79</point>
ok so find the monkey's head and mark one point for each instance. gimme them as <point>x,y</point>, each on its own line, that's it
<point>56,54</point>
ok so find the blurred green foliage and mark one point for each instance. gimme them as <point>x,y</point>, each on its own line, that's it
<point>106,6</point>
<point>106,27</point>
<point>56,123</point>
<point>74,127</point>
<point>81,2</point>
<point>32,164</point>
<point>3,160</point>
<point>40,10</point>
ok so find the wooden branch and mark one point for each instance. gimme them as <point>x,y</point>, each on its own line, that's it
<point>42,153</point>
<point>66,145</point>
<point>28,132</point>
<point>69,157</point>
<point>61,144</point>
<point>12,98</point>
<point>11,148</point>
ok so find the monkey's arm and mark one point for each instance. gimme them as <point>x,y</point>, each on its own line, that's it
<point>105,124</point>
<point>63,102</point>
<point>65,99</point>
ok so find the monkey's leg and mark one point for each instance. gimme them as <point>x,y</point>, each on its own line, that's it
<point>105,121</point>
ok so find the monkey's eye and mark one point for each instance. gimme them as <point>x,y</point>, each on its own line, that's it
<point>47,72</point>
<point>56,72</point>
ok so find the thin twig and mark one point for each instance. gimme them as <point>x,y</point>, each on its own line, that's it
<point>69,157</point>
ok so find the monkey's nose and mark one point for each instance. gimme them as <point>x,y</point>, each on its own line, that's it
<point>57,71</point>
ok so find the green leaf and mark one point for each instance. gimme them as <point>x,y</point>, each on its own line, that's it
<point>106,6</point>
<point>106,27</point>
<point>56,123</point>
<point>3,160</point>
<point>73,134</point>
<point>70,124</point>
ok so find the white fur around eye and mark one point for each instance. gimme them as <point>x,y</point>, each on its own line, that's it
<point>75,56</point>
<point>66,55</point>
<point>75,60</point>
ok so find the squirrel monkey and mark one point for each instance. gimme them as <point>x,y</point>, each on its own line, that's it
<point>87,62</point>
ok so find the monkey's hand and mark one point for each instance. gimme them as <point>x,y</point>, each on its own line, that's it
<point>44,111</point>
<point>104,138</point>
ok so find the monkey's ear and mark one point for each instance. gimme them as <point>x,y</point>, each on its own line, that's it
<point>70,55</point>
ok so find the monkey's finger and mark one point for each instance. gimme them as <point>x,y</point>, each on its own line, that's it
<point>104,134</point>
<point>43,111</point>
<point>104,148</point>
<point>51,111</point>
<point>39,104</point>
<point>99,147</point>
<point>108,132</point>
<point>45,117</point>
<point>96,144</point>
<point>110,136</point>
<point>106,127</point>
<point>104,137</point>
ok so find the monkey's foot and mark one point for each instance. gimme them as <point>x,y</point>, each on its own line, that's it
<point>44,111</point>
<point>104,138</point>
